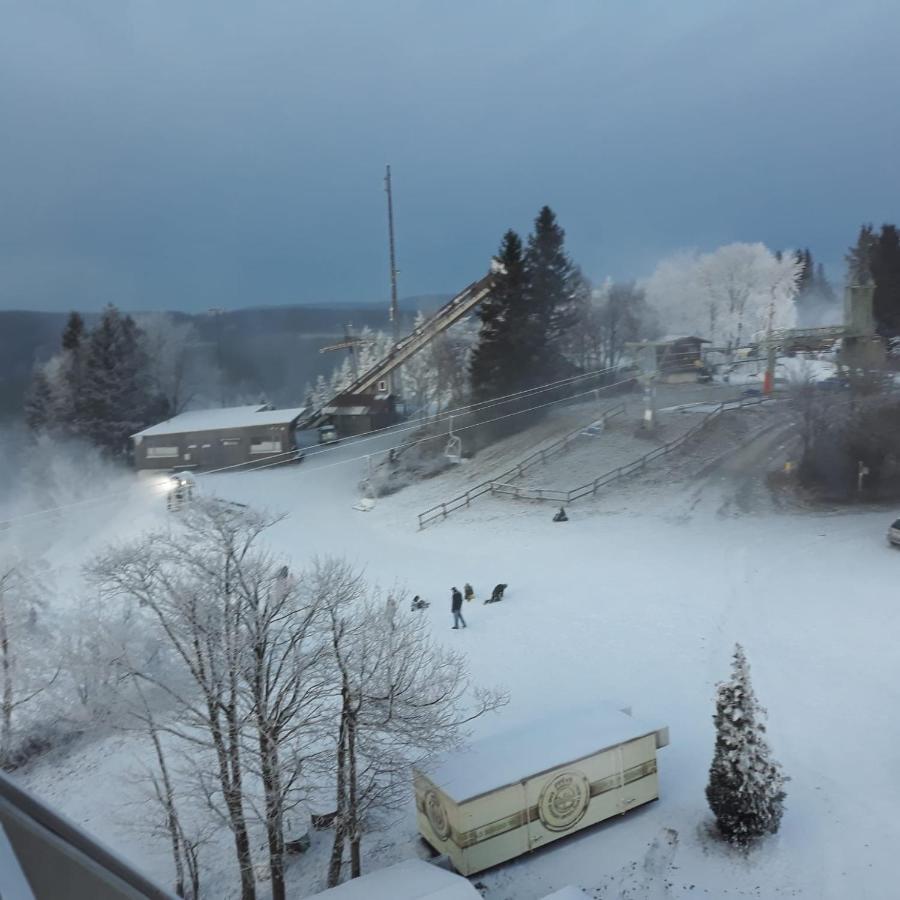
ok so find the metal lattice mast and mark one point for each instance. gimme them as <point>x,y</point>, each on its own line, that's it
<point>395,316</point>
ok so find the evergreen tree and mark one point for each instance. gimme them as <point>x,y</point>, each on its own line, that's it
<point>550,291</point>
<point>746,787</point>
<point>859,256</point>
<point>494,367</point>
<point>885,270</point>
<point>39,402</point>
<point>73,335</point>
<point>115,399</point>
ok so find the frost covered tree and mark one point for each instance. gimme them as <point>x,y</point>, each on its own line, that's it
<point>727,295</point>
<point>418,376</point>
<point>176,369</point>
<point>746,786</point>
<point>99,386</point>
<point>238,638</point>
<point>24,656</point>
<point>400,698</point>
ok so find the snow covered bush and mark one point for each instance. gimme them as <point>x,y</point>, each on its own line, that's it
<point>746,786</point>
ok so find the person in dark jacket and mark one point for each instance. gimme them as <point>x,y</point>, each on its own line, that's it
<point>456,600</point>
<point>497,594</point>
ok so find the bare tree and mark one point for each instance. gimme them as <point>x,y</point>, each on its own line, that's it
<point>23,675</point>
<point>246,678</point>
<point>185,846</point>
<point>173,358</point>
<point>188,589</point>
<point>401,699</point>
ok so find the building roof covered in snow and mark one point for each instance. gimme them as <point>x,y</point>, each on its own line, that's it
<point>409,880</point>
<point>511,756</point>
<point>226,417</point>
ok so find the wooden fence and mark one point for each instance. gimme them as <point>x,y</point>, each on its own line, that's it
<point>442,510</point>
<point>503,486</point>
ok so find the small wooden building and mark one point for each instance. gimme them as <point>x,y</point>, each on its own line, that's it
<point>409,880</point>
<point>513,792</point>
<point>217,438</point>
<point>361,413</point>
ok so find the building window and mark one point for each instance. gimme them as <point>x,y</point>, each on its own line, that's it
<point>382,387</point>
<point>258,445</point>
<point>230,442</point>
<point>162,452</point>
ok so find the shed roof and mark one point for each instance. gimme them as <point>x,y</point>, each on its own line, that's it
<point>543,744</point>
<point>226,417</point>
<point>409,880</point>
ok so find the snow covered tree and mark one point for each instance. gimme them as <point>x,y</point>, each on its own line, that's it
<point>419,377</point>
<point>24,656</point>
<point>746,786</point>
<point>238,638</point>
<point>100,386</point>
<point>176,370</point>
<point>40,402</point>
<point>401,697</point>
<point>116,397</point>
<point>727,295</point>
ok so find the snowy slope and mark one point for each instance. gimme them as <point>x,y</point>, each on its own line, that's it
<point>631,600</point>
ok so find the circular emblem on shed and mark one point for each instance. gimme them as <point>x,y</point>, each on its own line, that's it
<point>564,801</point>
<point>437,815</point>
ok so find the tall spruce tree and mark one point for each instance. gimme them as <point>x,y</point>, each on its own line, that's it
<point>746,786</point>
<point>496,365</point>
<point>550,292</point>
<point>115,399</point>
<point>885,268</point>
<point>859,256</point>
<point>73,334</point>
<point>40,402</point>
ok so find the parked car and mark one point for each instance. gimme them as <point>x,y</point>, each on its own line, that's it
<point>893,534</point>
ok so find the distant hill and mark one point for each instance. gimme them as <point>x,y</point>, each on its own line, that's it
<point>268,350</point>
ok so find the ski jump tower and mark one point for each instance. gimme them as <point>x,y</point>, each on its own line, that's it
<point>373,385</point>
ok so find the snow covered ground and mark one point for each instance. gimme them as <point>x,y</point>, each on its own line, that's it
<point>639,598</point>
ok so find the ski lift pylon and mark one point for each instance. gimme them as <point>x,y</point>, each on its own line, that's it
<point>453,451</point>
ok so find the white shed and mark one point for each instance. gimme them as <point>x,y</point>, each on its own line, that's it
<point>507,794</point>
<point>409,880</point>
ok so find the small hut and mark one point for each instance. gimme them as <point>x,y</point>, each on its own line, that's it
<point>510,793</point>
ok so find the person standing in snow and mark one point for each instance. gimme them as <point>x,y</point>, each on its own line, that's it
<point>456,600</point>
<point>469,591</point>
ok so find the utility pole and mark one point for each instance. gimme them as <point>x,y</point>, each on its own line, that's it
<point>395,316</point>
<point>217,313</point>
<point>769,379</point>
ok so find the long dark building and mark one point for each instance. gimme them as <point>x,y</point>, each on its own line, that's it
<point>216,438</point>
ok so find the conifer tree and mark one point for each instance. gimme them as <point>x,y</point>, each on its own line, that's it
<point>859,256</point>
<point>115,399</point>
<point>885,269</point>
<point>550,282</point>
<point>73,334</point>
<point>495,365</point>
<point>39,402</point>
<point>746,786</point>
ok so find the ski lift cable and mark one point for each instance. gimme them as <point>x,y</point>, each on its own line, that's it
<point>278,460</point>
<point>487,404</point>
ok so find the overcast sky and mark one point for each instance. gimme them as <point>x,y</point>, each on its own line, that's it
<point>197,153</point>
